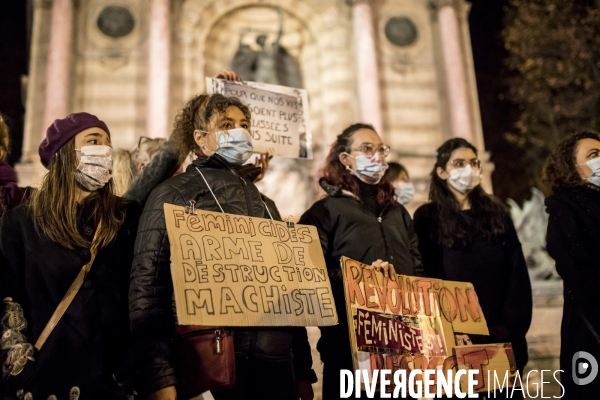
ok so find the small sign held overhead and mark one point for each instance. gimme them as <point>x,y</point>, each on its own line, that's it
<point>280,118</point>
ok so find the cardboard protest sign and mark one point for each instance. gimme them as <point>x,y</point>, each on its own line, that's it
<point>408,323</point>
<point>491,360</point>
<point>456,302</point>
<point>233,270</point>
<point>280,117</point>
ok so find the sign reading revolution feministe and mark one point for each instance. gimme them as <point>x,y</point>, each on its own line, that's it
<point>408,323</point>
<point>233,270</point>
<point>280,118</point>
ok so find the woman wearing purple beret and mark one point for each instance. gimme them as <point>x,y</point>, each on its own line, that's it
<point>66,277</point>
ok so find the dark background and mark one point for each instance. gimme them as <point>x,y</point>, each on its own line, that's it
<point>486,23</point>
<point>14,48</point>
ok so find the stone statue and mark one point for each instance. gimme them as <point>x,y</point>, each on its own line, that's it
<point>531,222</point>
<point>270,64</point>
<point>273,64</point>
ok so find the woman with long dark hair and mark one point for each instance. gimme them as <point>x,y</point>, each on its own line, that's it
<point>572,175</point>
<point>75,237</point>
<point>467,235</point>
<point>361,219</point>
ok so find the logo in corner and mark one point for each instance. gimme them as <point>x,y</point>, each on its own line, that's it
<point>583,363</point>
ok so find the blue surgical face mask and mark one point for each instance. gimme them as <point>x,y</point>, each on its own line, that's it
<point>234,145</point>
<point>405,192</point>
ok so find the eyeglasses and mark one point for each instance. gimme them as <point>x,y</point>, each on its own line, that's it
<point>463,163</point>
<point>369,149</point>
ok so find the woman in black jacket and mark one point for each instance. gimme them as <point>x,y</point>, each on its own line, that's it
<point>466,235</point>
<point>360,219</point>
<point>572,173</point>
<point>270,362</point>
<point>72,216</point>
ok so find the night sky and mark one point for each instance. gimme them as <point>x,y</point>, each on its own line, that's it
<point>486,23</point>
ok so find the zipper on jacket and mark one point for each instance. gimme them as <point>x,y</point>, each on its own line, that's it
<point>245,188</point>
<point>385,244</point>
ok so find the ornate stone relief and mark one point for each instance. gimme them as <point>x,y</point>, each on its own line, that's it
<point>401,31</point>
<point>114,31</point>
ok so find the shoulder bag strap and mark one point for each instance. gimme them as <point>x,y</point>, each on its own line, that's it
<point>71,293</point>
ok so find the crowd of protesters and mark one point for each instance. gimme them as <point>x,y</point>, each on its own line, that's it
<point>94,233</point>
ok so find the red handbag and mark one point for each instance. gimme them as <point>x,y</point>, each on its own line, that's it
<point>205,359</point>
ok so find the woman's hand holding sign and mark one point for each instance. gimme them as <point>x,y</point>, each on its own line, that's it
<point>385,268</point>
<point>228,76</point>
<point>462,339</point>
<point>262,162</point>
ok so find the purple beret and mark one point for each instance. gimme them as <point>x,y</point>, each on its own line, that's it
<point>63,130</point>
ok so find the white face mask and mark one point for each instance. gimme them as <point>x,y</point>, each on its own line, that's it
<point>95,167</point>
<point>594,164</point>
<point>370,170</point>
<point>234,145</point>
<point>405,192</point>
<point>464,179</point>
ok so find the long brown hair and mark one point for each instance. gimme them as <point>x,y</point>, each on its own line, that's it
<point>456,228</point>
<point>337,174</point>
<point>55,208</point>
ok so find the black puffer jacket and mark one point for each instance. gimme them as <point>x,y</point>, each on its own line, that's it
<point>573,240</point>
<point>349,228</point>
<point>151,292</point>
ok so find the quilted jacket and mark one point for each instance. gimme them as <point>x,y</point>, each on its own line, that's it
<point>151,304</point>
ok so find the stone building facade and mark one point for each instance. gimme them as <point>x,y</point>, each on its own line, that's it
<point>403,65</point>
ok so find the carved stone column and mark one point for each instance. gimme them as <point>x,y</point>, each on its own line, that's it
<point>454,68</point>
<point>367,70</point>
<point>58,63</point>
<point>157,119</point>
<point>36,80</point>
<point>48,82</point>
<point>58,69</point>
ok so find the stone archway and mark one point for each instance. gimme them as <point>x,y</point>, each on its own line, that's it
<point>206,36</point>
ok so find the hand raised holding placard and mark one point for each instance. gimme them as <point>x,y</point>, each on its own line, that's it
<point>262,162</point>
<point>228,75</point>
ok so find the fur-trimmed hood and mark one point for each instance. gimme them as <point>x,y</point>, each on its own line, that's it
<point>335,191</point>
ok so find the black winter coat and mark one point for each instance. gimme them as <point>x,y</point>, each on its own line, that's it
<point>497,270</point>
<point>348,228</point>
<point>92,340</point>
<point>151,303</point>
<point>573,240</point>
